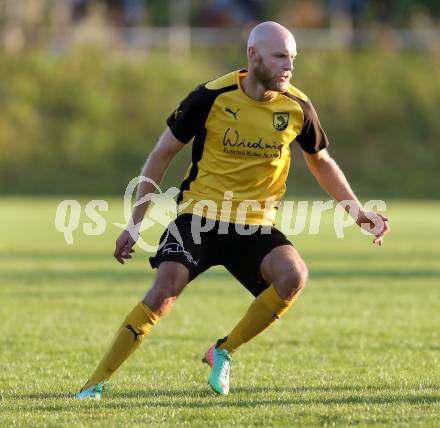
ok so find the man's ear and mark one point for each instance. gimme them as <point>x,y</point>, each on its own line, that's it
<point>251,53</point>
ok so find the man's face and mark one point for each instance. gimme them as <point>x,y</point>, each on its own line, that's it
<point>274,67</point>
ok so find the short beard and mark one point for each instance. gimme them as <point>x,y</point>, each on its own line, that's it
<point>266,78</point>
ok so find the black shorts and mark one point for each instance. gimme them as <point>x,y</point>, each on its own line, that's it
<point>240,254</point>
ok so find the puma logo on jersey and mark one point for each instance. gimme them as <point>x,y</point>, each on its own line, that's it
<point>177,113</point>
<point>228,110</point>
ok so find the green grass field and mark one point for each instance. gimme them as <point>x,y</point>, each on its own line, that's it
<point>361,346</point>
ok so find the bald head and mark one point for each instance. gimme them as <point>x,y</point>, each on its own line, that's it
<point>271,51</point>
<point>271,34</point>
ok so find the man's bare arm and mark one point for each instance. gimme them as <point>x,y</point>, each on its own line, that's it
<point>333,181</point>
<point>154,168</point>
<point>330,177</point>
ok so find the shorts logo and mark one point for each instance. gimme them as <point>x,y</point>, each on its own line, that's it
<point>280,120</point>
<point>174,247</point>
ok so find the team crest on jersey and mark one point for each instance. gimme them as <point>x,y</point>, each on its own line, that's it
<point>280,120</point>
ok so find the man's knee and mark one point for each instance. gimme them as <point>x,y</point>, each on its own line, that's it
<point>285,269</point>
<point>293,280</point>
<point>300,274</point>
<point>171,279</point>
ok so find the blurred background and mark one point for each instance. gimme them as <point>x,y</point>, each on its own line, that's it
<point>86,86</point>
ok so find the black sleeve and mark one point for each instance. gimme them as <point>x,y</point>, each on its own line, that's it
<point>190,116</point>
<point>312,137</point>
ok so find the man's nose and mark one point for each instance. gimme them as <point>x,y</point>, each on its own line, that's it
<point>288,65</point>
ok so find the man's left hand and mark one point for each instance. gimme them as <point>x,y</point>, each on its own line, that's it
<point>376,224</point>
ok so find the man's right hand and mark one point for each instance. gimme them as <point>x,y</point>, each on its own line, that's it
<point>124,246</point>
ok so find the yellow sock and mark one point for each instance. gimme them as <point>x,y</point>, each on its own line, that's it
<point>262,313</point>
<point>135,327</point>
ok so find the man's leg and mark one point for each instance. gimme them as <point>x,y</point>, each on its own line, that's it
<point>284,269</point>
<point>287,273</point>
<point>170,280</point>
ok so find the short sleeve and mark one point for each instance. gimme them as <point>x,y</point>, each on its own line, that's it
<point>189,116</point>
<point>312,138</point>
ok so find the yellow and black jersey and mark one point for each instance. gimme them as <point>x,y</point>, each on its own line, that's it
<point>241,148</point>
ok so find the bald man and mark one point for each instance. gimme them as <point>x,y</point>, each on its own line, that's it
<point>241,126</point>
